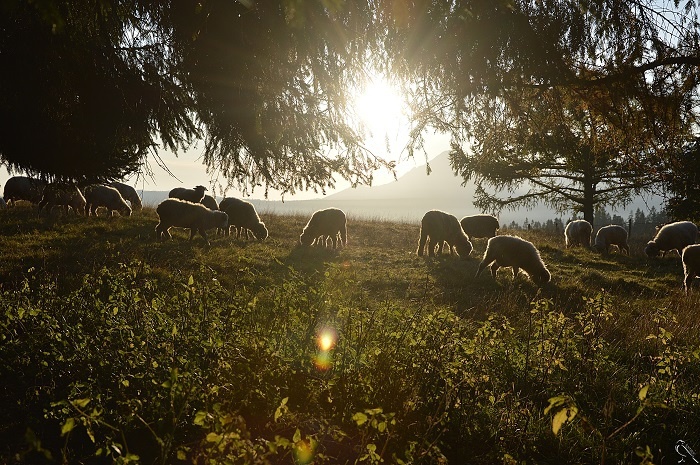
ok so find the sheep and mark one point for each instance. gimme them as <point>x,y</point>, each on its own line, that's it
<point>691,264</point>
<point>611,235</point>
<point>66,195</point>
<point>184,214</point>
<point>23,188</point>
<point>578,232</point>
<point>438,227</point>
<point>325,224</point>
<point>105,196</point>
<point>673,236</point>
<point>209,202</point>
<point>479,226</point>
<point>243,217</point>
<point>512,251</point>
<point>129,194</point>
<point>191,195</point>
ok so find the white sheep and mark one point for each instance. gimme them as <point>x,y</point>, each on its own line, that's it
<point>578,232</point>
<point>129,194</point>
<point>61,194</point>
<point>323,225</point>
<point>611,234</point>
<point>512,251</point>
<point>191,195</point>
<point>23,188</point>
<point>104,196</point>
<point>673,236</point>
<point>475,226</point>
<point>184,214</point>
<point>438,227</point>
<point>691,264</point>
<point>243,217</point>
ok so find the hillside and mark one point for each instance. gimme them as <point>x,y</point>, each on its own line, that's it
<point>119,348</point>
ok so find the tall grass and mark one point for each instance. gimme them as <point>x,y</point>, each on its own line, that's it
<point>119,348</point>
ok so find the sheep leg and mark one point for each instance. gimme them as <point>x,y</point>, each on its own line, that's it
<point>344,236</point>
<point>335,241</point>
<point>494,268</point>
<point>688,280</point>
<point>421,242</point>
<point>202,233</point>
<point>516,270</point>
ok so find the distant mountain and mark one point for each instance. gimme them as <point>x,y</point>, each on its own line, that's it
<point>409,197</point>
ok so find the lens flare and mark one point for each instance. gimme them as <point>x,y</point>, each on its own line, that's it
<point>323,360</point>
<point>326,339</point>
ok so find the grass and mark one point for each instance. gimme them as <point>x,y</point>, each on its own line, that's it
<point>119,348</point>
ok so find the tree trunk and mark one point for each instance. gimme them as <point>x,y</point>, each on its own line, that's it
<point>589,189</point>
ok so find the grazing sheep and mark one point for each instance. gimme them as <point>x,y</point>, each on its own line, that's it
<point>243,217</point>
<point>104,196</point>
<point>512,251</point>
<point>191,195</point>
<point>23,188</point>
<point>184,214</point>
<point>323,225</point>
<point>691,264</point>
<point>129,194</point>
<point>611,235</point>
<point>673,236</point>
<point>578,232</point>
<point>479,226</point>
<point>209,202</point>
<point>65,195</point>
<point>438,227</point>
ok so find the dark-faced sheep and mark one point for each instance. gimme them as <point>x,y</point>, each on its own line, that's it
<point>209,202</point>
<point>194,216</point>
<point>578,232</point>
<point>97,196</point>
<point>23,188</point>
<point>323,225</point>
<point>191,195</point>
<point>65,195</point>
<point>243,217</point>
<point>610,235</point>
<point>129,194</point>
<point>438,227</point>
<point>476,226</point>
<point>512,251</point>
<point>674,236</point>
<point>691,264</point>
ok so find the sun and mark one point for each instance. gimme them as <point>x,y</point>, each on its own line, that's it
<point>381,108</point>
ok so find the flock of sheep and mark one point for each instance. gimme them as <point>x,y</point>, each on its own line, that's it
<point>512,251</point>
<point>194,210</point>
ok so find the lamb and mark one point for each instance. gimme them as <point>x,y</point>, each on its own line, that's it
<point>325,224</point>
<point>512,251</point>
<point>184,214</point>
<point>673,236</point>
<point>104,196</point>
<point>23,188</point>
<point>191,195</point>
<point>66,195</point>
<point>129,194</point>
<point>691,264</point>
<point>243,217</point>
<point>578,232</point>
<point>209,202</point>
<point>438,227</point>
<point>479,226</point>
<point>611,235</point>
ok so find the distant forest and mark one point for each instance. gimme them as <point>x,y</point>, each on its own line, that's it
<point>637,223</point>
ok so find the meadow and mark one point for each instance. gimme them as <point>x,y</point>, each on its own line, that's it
<point>117,348</point>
